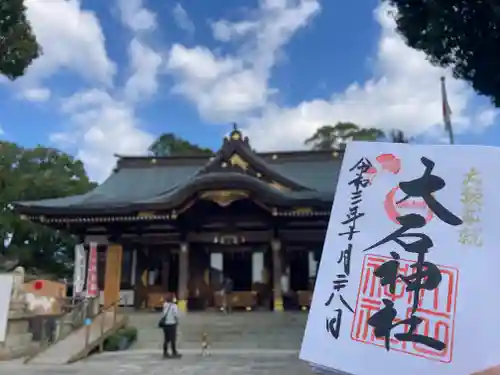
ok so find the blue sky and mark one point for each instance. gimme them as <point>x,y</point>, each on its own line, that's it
<point>117,73</point>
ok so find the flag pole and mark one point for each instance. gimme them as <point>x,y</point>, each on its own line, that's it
<point>446,111</point>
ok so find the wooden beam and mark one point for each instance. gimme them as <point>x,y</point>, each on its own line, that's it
<point>240,237</point>
<point>302,233</point>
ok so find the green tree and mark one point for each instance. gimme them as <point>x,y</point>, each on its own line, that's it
<point>18,44</point>
<point>169,144</point>
<point>398,136</point>
<point>34,174</point>
<point>331,137</point>
<point>459,34</point>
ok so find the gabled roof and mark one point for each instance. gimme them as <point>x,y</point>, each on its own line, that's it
<point>143,183</point>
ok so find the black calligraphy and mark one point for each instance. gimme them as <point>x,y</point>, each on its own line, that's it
<point>341,281</point>
<point>425,275</point>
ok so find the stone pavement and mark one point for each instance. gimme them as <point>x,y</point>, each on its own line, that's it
<point>243,343</point>
<point>240,330</point>
<point>143,362</point>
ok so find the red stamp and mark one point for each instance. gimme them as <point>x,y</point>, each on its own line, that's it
<point>394,204</point>
<point>436,308</point>
<point>414,205</point>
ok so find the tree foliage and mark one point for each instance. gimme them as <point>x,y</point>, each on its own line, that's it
<point>461,34</point>
<point>169,144</point>
<point>398,136</point>
<point>18,44</point>
<point>330,137</point>
<point>34,174</point>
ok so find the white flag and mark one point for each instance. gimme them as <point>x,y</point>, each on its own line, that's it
<point>79,270</point>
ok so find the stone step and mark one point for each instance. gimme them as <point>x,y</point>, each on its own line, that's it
<point>240,330</point>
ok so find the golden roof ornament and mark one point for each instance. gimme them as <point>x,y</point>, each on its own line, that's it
<point>235,134</point>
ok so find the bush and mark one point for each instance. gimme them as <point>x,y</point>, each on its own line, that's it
<point>112,343</point>
<point>130,333</point>
<point>121,340</point>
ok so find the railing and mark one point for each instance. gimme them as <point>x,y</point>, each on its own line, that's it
<point>49,329</point>
<point>102,314</point>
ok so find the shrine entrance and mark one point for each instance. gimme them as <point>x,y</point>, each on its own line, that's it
<point>244,265</point>
<point>237,263</point>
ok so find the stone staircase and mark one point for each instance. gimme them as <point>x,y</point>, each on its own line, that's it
<point>78,344</point>
<point>237,331</point>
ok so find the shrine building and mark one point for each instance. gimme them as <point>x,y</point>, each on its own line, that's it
<point>182,223</point>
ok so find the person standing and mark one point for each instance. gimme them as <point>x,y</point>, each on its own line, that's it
<point>228,291</point>
<point>170,321</point>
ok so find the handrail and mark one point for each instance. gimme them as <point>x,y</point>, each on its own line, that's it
<point>102,311</point>
<point>78,311</point>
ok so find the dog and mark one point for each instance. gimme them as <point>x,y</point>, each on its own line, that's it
<point>205,345</point>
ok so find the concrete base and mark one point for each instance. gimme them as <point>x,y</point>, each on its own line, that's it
<point>18,342</point>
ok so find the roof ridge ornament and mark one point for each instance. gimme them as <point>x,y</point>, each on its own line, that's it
<point>236,133</point>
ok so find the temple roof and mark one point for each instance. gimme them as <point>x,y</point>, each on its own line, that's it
<point>145,183</point>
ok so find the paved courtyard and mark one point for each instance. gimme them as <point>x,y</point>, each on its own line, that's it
<point>149,363</point>
<point>254,343</point>
<point>241,330</point>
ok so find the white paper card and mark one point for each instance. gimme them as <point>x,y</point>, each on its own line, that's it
<point>445,318</point>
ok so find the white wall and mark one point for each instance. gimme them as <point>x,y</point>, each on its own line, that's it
<point>312,265</point>
<point>126,297</point>
<point>257,267</point>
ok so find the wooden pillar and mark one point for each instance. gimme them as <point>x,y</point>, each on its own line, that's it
<point>277,271</point>
<point>165,273</point>
<point>112,277</point>
<point>140,285</point>
<point>182,294</point>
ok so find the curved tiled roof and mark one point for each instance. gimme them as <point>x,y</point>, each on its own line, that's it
<point>142,182</point>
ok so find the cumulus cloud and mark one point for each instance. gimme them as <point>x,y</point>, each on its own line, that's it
<point>145,63</point>
<point>182,19</point>
<point>229,87</point>
<point>72,40</point>
<point>36,94</point>
<point>403,92</point>
<point>136,16</point>
<point>102,119</point>
<point>99,127</point>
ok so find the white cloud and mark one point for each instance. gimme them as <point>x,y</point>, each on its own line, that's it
<point>485,117</point>
<point>71,39</point>
<point>404,93</point>
<point>103,122</point>
<point>36,94</point>
<point>145,63</point>
<point>135,16</point>
<point>182,19</point>
<point>226,88</point>
<point>99,127</point>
